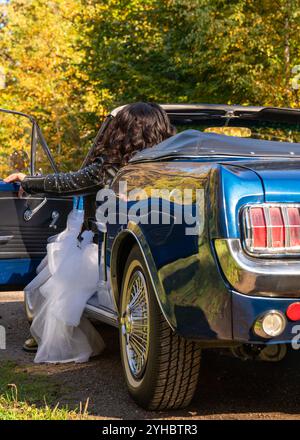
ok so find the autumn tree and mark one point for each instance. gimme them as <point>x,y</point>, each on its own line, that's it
<point>192,50</point>
<point>243,51</point>
<point>134,51</point>
<point>40,56</point>
<point>69,62</point>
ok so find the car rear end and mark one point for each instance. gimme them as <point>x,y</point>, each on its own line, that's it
<point>258,247</point>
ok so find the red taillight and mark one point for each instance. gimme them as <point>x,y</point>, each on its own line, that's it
<point>293,312</point>
<point>259,229</point>
<point>272,229</point>
<point>294,226</point>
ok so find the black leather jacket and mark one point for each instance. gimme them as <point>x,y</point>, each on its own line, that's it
<point>86,181</point>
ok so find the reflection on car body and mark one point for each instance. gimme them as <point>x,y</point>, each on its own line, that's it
<point>235,283</point>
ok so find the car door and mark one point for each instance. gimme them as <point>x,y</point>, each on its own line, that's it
<point>26,222</point>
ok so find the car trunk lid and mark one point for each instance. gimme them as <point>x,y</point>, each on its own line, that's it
<point>280,178</point>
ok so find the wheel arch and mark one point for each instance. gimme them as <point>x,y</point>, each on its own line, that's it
<point>121,248</point>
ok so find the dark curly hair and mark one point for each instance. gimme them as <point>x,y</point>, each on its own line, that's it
<point>135,127</point>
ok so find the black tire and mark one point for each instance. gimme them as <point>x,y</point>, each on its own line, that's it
<point>171,371</point>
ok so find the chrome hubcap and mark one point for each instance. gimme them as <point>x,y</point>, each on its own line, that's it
<point>135,327</point>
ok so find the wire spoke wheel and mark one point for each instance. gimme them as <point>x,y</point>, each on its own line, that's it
<point>135,324</point>
<point>161,368</point>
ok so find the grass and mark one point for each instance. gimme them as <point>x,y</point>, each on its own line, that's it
<point>25,396</point>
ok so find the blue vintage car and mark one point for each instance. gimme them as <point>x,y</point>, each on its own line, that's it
<point>218,268</point>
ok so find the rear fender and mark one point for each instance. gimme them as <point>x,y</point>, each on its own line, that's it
<point>185,275</point>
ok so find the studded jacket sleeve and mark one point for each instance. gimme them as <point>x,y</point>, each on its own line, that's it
<point>85,181</point>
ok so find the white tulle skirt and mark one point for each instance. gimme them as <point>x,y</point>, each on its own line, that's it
<point>66,278</point>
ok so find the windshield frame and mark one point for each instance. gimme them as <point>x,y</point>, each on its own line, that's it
<point>36,137</point>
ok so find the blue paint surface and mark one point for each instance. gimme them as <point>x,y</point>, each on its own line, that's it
<point>9,187</point>
<point>238,187</point>
<point>17,272</point>
<point>246,310</point>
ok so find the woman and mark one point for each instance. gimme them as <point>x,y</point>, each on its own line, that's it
<point>68,275</point>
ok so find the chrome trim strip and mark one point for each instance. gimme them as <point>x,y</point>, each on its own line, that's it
<point>287,226</point>
<point>6,238</point>
<point>101,315</point>
<point>49,198</point>
<point>269,227</point>
<point>257,276</point>
<point>248,228</point>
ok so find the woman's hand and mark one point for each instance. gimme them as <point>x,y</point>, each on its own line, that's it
<point>15,177</point>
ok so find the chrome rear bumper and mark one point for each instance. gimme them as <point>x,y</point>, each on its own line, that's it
<point>257,276</point>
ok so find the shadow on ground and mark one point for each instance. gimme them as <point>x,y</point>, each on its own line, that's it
<point>228,387</point>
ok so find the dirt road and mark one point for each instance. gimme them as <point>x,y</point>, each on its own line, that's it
<point>228,389</point>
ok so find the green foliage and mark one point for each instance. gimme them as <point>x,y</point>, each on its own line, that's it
<point>244,51</point>
<point>69,61</point>
<point>27,396</point>
<point>12,410</point>
<point>15,137</point>
<point>17,383</point>
<point>135,51</point>
<point>39,53</point>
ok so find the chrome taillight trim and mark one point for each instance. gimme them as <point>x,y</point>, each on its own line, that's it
<point>269,251</point>
<point>265,277</point>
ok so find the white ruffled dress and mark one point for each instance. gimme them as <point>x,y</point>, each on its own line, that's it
<point>66,278</point>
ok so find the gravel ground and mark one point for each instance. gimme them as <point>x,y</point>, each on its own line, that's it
<point>228,388</point>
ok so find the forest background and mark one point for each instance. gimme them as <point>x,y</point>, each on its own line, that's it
<point>68,62</point>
